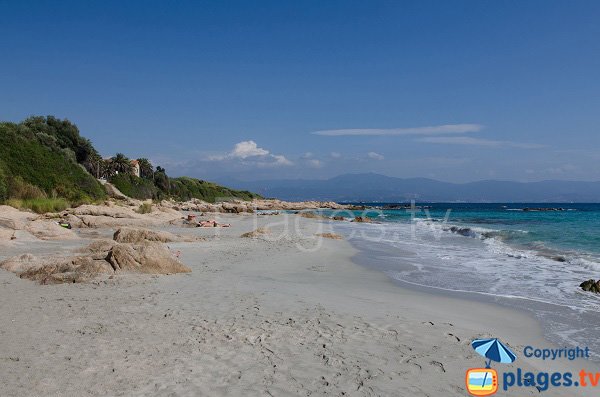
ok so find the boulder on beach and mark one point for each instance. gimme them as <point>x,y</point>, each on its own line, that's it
<point>100,257</point>
<point>147,257</point>
<point>137,235</point>
<point>591,286</point>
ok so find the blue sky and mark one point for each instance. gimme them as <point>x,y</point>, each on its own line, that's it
<point>453,90</point>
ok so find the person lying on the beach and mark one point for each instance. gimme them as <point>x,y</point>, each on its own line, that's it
<point>212,223</point>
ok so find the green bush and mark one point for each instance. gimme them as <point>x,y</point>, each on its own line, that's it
<point>48,168</point>
<point>132,186</point>
<point>145,208</point>
<point>3,186</point>
<point>21,190</point>
<point>185,188</point>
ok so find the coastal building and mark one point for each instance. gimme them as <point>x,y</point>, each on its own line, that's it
<point>135,166</point>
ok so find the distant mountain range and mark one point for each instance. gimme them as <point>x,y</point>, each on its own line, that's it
<point>372,187</point>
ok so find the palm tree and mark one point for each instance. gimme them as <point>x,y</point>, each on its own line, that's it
<point>146,168</point>
<point>121,164</point>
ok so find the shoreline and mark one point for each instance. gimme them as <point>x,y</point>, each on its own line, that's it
<point>256,316</point>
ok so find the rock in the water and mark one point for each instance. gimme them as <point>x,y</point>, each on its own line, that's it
<point>591,286</point>
<point>362,219</point>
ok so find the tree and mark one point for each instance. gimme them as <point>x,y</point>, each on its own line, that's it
<point>146,168</point>
<point>121,164</point>
<point>161,180</point>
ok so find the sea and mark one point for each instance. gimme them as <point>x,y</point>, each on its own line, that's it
<point>530,256</point>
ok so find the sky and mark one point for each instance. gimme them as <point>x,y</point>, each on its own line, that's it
<point>452,90</point>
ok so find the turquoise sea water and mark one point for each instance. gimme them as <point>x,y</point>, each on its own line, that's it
<point>529,259</point>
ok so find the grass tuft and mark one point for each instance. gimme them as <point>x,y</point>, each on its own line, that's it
<point>40,205</point>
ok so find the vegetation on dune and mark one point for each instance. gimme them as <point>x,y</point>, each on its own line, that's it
<point>45,165</point>
<point>188,188</point>
<point>145,208</point>
<point>40,205</point>
<point>38,162</point>
<point>134,187</point>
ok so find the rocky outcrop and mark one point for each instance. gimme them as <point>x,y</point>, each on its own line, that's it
<point>362,219</point>
<point>54,270</point>
<point>49,230</point>
<point>101,257</point>
<point>146,257</point>
<point>137,235</point>
<point>239,206</point>
<point>112,215</point>
<point>591,286</point>
<point>29,224</point>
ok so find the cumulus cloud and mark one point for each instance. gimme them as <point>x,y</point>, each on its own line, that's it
<point>281,160</point>
<point>430,130</point>
<point>249,151</point>
<point>465,140</point>
<point>375,156</point>
<point>315,163</point>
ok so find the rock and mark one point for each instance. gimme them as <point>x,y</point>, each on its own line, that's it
<point>70,270</point>
<point>50,230</point>
<point>137,235</point>
<point>20,264</point>
<point>332,236</point>
<point>146,257</point>
<point>310,215</point>
<point>100,257</point>
<point>338,218</point>
<point>591,286</point>
<point>261,231</point>
<point>12,218</point>
<point>362,219</point>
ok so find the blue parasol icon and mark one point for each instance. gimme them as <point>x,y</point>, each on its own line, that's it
<point>493,349</point>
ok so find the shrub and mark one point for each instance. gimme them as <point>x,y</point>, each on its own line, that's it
<point>132,186</point>
<point>19,189</point>
<point>3,186</point>
<point>145,208</point>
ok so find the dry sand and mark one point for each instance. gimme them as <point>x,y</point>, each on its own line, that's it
<point>277,315</point>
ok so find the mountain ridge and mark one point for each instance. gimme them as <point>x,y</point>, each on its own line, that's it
<point>373,187</point>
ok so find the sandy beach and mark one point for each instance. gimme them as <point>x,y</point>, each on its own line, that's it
<point>286,313</point>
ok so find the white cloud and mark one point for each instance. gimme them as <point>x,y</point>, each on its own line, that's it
<point>465,140</point>
<point>250,152</point>
<point>335,155</point>
<point>281,160</point>
<point>247,149</point>
<point>315,163</point>
<point>375,156</point>
<point>307,155</point>
<point>431,130</point>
